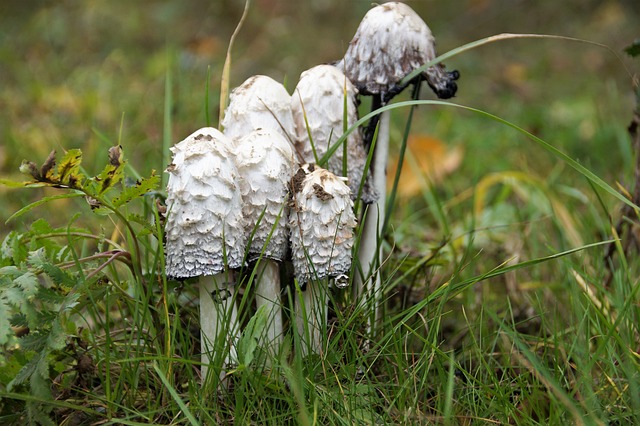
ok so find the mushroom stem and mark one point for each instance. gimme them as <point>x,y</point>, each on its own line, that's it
<point>370,253</point>
<point>218,315</point>
<point>268,294</point>
<point>311,315</point>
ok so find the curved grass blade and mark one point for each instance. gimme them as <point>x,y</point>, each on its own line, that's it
<point>41,201</point>
<point>499,37</point>
<point>547,146</point>
<point>192,420</point>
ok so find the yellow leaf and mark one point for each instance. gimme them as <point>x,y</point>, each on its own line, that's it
<point>427,161</point>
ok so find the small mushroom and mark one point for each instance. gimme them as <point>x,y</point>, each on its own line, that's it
<point>318,104</point>
<point>390,43</point>
<point>322,226</point>
<point>205,232</point>
<point>265,164</point>
<point>259,103</point>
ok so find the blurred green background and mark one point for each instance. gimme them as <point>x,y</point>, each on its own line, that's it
<point>90,74</point>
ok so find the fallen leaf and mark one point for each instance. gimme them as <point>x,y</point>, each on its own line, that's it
<point>427,161</point>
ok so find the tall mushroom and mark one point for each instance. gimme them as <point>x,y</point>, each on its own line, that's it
<point>390,42</point>
<point>205,233</point>
<point>322,226</point>
<point>258,103</point>
<point>318,105</point>
<point>265,164</point>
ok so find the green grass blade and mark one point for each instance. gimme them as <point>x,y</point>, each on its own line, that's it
<point>496,38</point>
<point>547,146</point>
<point>192,420</point>
<point>41,201</point>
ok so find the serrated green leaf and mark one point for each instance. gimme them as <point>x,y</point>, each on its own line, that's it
<point>113,172</point>
<point>57,337</point>
<point>33,341</point>
<point>634,48</point>
<point>69,167</point>
<point>38,413</point>
<point>28,283</point>
<point>59,276</point>
<point>44,200</point>
<point>40,226</point>
<point>148,227</point>
<point>14,297</point>
<point>5,326</point>
<point>11,272</point>
<point>25,372</point>
<point>141,187</point>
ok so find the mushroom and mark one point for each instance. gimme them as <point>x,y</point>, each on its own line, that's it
<point>322,226</point>
<point>205,233</point>
<point>318,104</point>
<point>258,103</point>
<point>390,42</point>
<point>265,164</point>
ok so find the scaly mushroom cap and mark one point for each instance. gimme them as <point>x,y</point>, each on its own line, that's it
<point>322,224</point>
<point>204,207</point>
<point>265,164</point>
<point>391,41</point>
<point>320,96</point>
<point>258,103</point>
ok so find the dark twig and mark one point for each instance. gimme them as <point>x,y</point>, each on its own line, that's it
<point>629,216</point>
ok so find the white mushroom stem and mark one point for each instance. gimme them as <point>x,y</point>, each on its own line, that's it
<point>311,315</point>
<point>370,252</point>
<point>218,317</point>
<point>268,294</point>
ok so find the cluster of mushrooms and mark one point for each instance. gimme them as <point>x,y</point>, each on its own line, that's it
<point>252,193</point>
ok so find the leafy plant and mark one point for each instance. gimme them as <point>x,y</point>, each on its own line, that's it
<point>46,282</point>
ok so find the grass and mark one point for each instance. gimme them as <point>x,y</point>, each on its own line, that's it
<point>500,307</point>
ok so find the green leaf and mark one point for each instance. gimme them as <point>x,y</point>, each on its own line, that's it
<point>44,200</point>
<point>28,283</point>
<point>634,48</point>
<point>57,337</point>
<point>25,372</point>
<point>12,183</point>
<point>113,172</point>
<point>40,226</point>
<point>69,167</point>
<point>140,188</point>
<point>5,326</point>
<point>248,342</point>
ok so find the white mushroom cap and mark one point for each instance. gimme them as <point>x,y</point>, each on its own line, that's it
<point>266,162</point>
<point>320,97</point>
<point>204,207</point>
<point>391,41</point>
<point>322,224</point>
<point>258,103</point>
